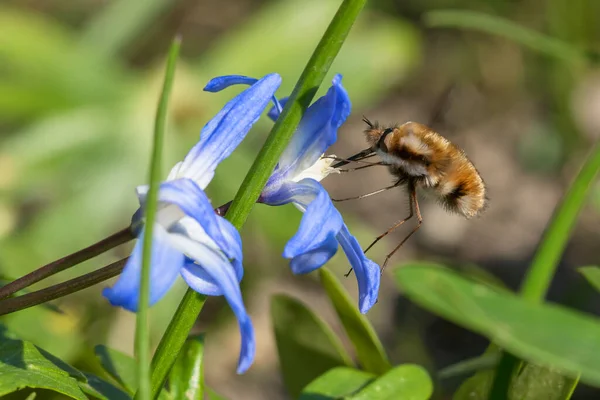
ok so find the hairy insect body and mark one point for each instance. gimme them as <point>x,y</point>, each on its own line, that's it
<point>421,157</point>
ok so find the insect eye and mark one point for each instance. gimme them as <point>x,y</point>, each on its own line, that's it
<point>381,142</point>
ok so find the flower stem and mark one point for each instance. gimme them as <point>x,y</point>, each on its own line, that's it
<point>259,173</point>
<point>547,257</point>
<point>62,289</point>
<point>142,335</point>
<point>67,262</point>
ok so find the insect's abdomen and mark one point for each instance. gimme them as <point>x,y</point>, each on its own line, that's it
<point>462,190</point>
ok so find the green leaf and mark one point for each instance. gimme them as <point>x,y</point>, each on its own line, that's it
<point>544,264</point>
<point>369,349</point>
<point>118,365</point>
<point>536,382</point>
<point>101,389</point>
<point>24,365</point>
<point>541,333</point>
<point>186,380</point>
<point>476,387</point>
<point>592,275</point>
<point>485,361</point>
<point>306,345</point>
<point>406,382</point>
<point>336,383</point>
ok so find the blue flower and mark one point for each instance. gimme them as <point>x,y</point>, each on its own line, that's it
<point>296,180</point>
<point>189,238</point>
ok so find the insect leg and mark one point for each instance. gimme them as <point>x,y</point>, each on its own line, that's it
<point>362,196</point>
<point>411,189</point>
<point>413,198</point>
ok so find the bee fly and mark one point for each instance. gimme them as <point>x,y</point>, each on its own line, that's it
<point>419,157</point>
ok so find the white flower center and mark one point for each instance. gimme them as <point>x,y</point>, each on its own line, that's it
<point>318,171</point>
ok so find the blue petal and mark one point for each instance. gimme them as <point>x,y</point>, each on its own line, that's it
<point>166,264</point>
<point>210,262</point>
<point>279,191</point>
<point>274,111</point>
<point>315,242</point>
<point>317,130</point>
<point>367,273</point>
<point>192,200</point>
<point>222,134</point>
<point>202,225</point>
<point>223,82</point>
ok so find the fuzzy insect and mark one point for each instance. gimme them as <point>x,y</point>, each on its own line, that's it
<point>419,157</point>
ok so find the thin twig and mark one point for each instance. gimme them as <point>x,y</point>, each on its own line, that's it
<point>62,289</point>
<point>69,261</point>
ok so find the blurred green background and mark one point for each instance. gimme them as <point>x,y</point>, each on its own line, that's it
<point>79,82</point>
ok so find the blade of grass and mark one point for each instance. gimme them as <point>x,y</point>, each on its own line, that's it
<point>142,334</point>
<point>543,267</point>
<point>501,27</point>
<point>259,173</point>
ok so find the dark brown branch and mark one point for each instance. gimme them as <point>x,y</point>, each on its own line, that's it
<point>62,289</point>
<point>69,261</point>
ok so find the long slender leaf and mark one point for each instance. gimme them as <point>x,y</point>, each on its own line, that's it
<point>306,345</point>
<point>142,332</point>
<point>369,349</point>
<point>186,380</point>
<point>498,26</point>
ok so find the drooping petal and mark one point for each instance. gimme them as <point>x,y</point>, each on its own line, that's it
<point>222,134</point>
<point>192,200</point>
<point>315,242</point>
<point>274,111</point>
<point>317,130</point>
<point>223,82</point>
<point>214,264</point>
<point>166,264</point>
<point>199,222</point>
<point>284,192</point>
<point>367,272</point>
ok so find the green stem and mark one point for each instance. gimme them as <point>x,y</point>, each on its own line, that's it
<point>142,335</point>
<point>64,263</point>
<point>547,257</point>
<point>303,93</point>
<point>62,289</point>
<point>174,338</point>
